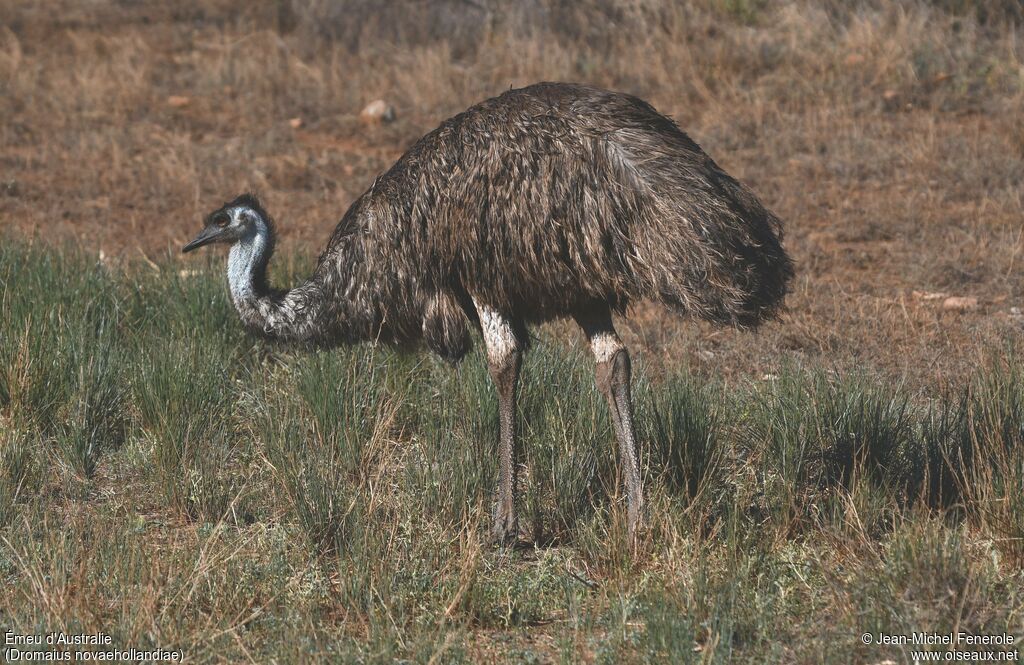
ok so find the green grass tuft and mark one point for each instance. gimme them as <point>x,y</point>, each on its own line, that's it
<point>247,502</point>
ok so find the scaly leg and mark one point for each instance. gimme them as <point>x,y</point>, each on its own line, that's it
<point>613,374</point>
<point>504,358</point>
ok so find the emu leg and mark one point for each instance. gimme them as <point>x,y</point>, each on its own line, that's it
<point>613,374</point>
<point>504,358</point>
<point>505,528</point>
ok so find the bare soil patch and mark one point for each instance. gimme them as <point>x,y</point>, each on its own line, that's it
<point>887,136</point>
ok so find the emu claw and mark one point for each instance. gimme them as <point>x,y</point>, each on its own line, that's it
<point>505,530</point>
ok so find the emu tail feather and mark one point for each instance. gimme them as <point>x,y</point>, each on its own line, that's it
<point>707,248</point>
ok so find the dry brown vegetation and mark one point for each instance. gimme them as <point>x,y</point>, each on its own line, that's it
<point>887,134</point>
<point>170,481</point>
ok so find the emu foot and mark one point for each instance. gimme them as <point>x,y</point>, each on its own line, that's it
<point>637,533</point>
<point>505,527</point>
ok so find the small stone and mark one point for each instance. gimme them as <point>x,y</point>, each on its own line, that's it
<point>960,303</point>
<point>295,123</point>
<point>178,101</point>
<point>377,111</point>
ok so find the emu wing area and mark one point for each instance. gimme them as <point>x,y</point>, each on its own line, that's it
<point>556,197</point>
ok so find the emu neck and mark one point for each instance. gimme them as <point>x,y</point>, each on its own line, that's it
<point>247,266</point>
<point>338,304</point>
<point>294,315</point>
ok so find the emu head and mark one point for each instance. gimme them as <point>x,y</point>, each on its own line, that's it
<point>241,219</point>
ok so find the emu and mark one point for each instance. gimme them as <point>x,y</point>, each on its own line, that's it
<point>550,201</point>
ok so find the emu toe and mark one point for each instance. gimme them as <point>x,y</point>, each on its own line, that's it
<point>504,529</point>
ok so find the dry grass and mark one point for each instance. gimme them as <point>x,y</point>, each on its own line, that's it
<point>167,481</point>
<point>887,136</point>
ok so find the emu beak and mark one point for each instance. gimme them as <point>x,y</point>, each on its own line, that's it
<point>205,237</point>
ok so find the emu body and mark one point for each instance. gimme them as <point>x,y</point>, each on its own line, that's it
<point>550,201</point>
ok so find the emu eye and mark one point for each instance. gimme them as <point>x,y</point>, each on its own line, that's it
<point>221,219</point>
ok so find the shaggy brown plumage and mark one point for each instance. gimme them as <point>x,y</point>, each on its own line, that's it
<point>549,201</point>
<point>539,202</point>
